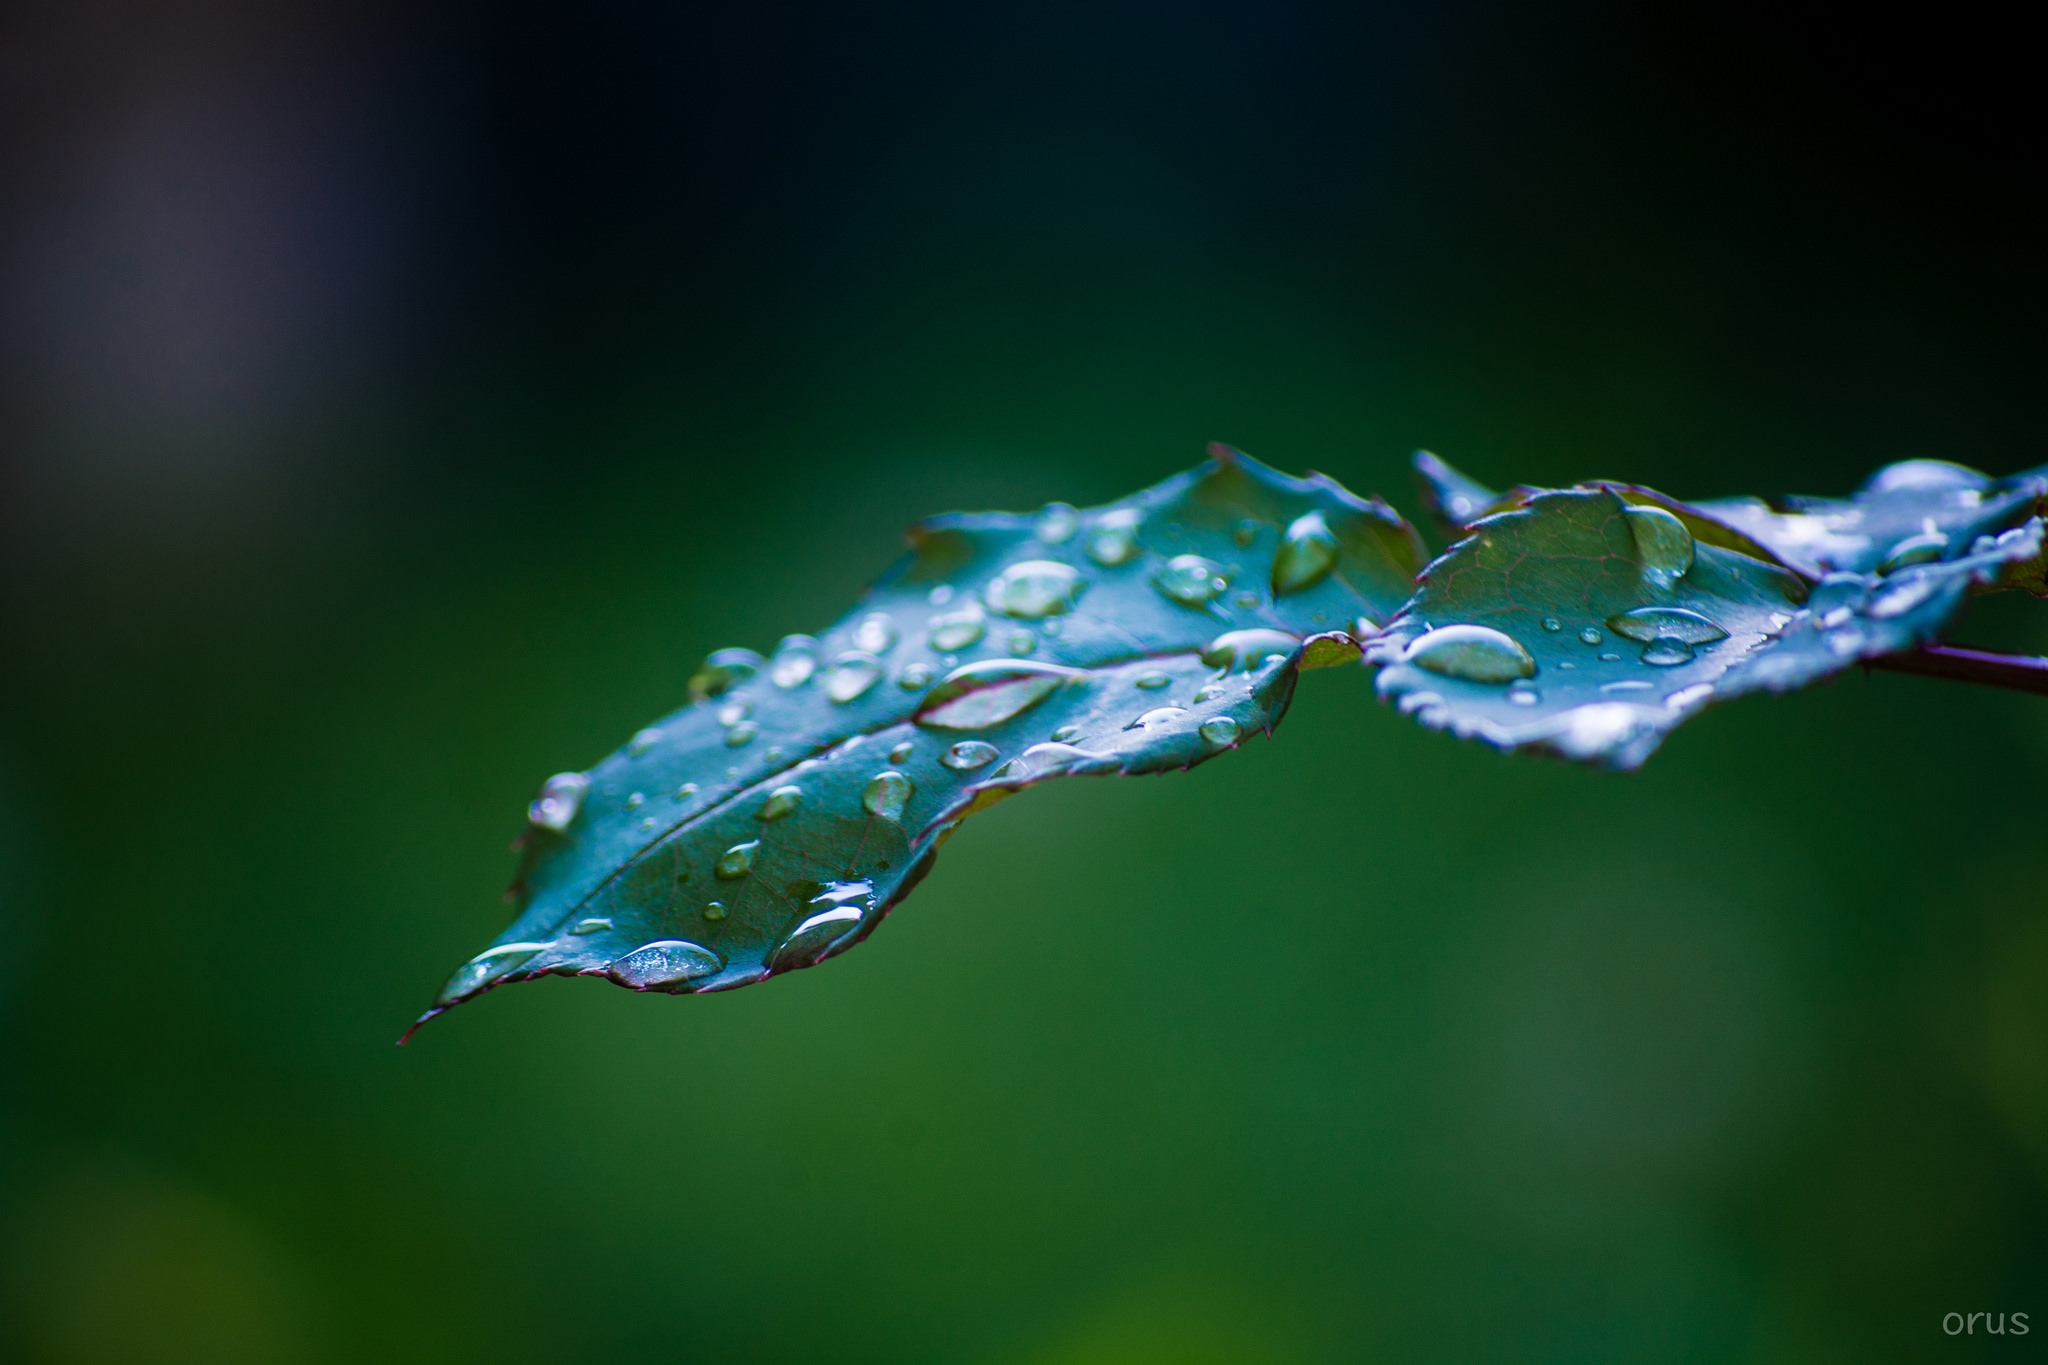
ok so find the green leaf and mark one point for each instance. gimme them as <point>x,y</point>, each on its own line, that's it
<point>776,820</point>
<point>1589,624</point>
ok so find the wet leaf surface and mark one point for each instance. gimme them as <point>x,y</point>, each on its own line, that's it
<point>775,820</point>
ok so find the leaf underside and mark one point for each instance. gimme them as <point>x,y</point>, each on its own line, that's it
<point>774,821</point>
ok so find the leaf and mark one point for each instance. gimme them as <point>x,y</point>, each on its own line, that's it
<point>1587,624</point>
<point>1454,499</point>
<point>776,820</point>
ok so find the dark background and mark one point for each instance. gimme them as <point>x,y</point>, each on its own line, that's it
<point>396,403</point>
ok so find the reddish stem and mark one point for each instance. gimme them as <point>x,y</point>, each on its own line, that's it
<point>2017,672</point>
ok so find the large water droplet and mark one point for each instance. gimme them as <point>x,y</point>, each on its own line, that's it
<point>561,796</point>
<point>725,668</point>
<point>901,752</point>
<point>1057,523</point>
<point>836,913</point>
<point>1645,624</point>
<point>780,802</point>
<point>1218,730</point>
<point>591,926</point>
<point>1152,680</point>
<point>1474,653</point>
<point>1157,716</point>
<point>1191,580</point>
<point>915,676</point>
<point>1924,474</point>
<point>1921,549</point>
<point>740,734</point>
<point>957,629</point>
<point>1667,651</point>
<point>1663,546</point>
<point>1591,636</point>
<point>968,755</point>
<point>668,962</point>
<point>977,695</point>
<point>852,674</point>
<point>1247,649</point>
<point>887,793</point>
<point>642,742</point>
<point>1306,555</point>
<point>1034,589</point>
<point>876,633</point>
<point>737,861</point>
<point>796,658</point>
<point>1114,540</point>
<point>487,966</point>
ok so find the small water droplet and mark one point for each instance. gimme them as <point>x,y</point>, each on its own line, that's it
<point>1191,580</point>
<point>1066,734</point>
<point>1628,685</point>
<point>1209,691</point>
<point>1610,658</point>
<point>780,802</point>
<point>978,695</point>
<point>1022,642</point>
<point>876,633</point>
<point>915,676</point>
<point>1474,653</point>
<point>1156,716</point>
<point>1057,523</point>
<point>1152,680</point>
<point>886,794</point>
<point>740,734</point>
<point>1564,664</point>
<point>561,796</point>
<point>1218,730</point>
<point>968,755</point>
<point>636,799</point>
<point>736,862</point>
<point>642,742</point>
<point>734,711</point>
<point>1050,628</point>
<point>774,752</point>
<point>686,791</point>
<point>1667,651</point>
<point>1663,546</point>
<point>1921,549</point>
<point>1590,636</point>
<point>901,752</point>
<point>1247,600</point>
<point>1779,620</point>
<point>1114,540</point>
<point>795,660</point>
<point>851,675</point>
<point>1551,623</point>
<point>714,910</point>
<point>958,629</point>
<point>591,926</point>
<point>1524,696</point>
<point>667,962</point>
<point>1645,624</point>
<point>487,966</point>
<point>1036,588</point>
<point>940,595</point>
<point>1901,596</point>
<point>1247,649</point>
<point>724,669</point>
<point>836,912</point>
<point>1306,555</point>
<point>1245,532</point>
<point>648,823</point>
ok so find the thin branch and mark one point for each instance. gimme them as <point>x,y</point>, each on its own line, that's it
<point>2018,672</point>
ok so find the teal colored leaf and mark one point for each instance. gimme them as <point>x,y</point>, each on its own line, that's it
<point>1589,624</point>
<point>775,820</point>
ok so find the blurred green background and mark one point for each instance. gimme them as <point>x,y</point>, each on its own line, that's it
<point>398,402</point>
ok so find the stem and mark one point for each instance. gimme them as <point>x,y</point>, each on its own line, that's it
<point>2018,672</point>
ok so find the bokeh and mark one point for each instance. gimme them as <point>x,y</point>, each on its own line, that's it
<point>397,402</point>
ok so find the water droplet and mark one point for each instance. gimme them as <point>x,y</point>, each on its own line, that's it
<point>1156,716</point>
<point>591,926</point>
<point>1663,546</point>
<point>1191,580</point>
<point>561,796</point>
<point>968,755</point>
<point>1524,696</point>
<point>795,660</point>
<point>836,913</point>
<point>978,695</point>
<point>668,962</point>
<point>1645,624</point>
<point>774,752</point>
<point>876,633</point>
<point>1051,628</point>
<point>1209,691</point>
<point>642,742</point>
<point>740,734</point>
<point>1628,685</point>
<point>1901,596</point>
<point>1154,679</point>
<point>852,674</point>
<point>1474,653</point>
<point>1247,600</point>
<point>714,910</point>
<point>940,595</point>
<point>734,711</point>
<point>1307,554</point>
<point>1591,636</point>
<point>648,823</point>
<point>915,676</point>
<point>487,966</point>
<point>1114,540</point>
<point>957,629</point>
<point>1610,658</point>
<point>1219,731</point>
<point>1035,588</point>
<point>780,802</point>
<point>1924,474</point>
<point>1921,549</point>
<point>724,669</point>
<point>1245,532</point>
<point>736,862</point>
<point>1022,642</point>
<point>886,794</point>
<point>1066,734</point>
<point>636,799</point>
<point>1667,651</point>
<point>1779,620</point>
<point>1551,623</point>
<point>1057,523</point>
<point>686,791</point>
<point>1247,649</point>
<point>901,752</point>
<point>1565,665</point>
